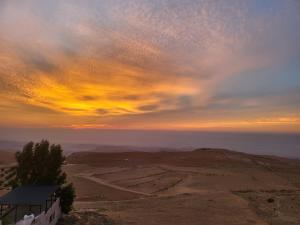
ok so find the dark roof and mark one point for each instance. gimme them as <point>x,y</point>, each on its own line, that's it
<point>28,195</point>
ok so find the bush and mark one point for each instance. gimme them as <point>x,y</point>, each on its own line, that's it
<point>67,195</point>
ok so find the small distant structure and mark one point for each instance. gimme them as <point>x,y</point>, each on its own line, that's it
<point>30,205</point>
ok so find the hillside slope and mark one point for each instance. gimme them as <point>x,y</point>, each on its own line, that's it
<point>204,186</point>
<point>6,157</point>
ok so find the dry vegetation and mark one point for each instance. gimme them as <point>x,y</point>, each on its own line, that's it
<point>7,170</point>
<point>86,217</point>
<point>211,187</point>
<point>200,187</point>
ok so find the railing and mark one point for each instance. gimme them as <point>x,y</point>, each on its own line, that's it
<point>45,218</point>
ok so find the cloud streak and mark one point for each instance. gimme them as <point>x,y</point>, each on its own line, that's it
<point>98,62</point>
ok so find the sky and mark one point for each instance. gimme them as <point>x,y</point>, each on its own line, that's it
<point>206,65</point>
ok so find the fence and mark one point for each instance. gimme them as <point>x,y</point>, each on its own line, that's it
<point>45,218</point>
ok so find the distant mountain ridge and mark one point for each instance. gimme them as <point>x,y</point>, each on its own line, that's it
<point>198,157</point>
<point>69,148</point>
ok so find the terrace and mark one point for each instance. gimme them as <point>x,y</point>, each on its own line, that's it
<point>30,205</point>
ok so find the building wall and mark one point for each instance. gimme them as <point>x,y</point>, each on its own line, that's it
<point>49,218</point>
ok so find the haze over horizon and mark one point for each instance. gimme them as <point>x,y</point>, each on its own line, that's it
<point>107,140</point>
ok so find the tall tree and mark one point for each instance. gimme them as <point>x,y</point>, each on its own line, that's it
<point>41,164</point>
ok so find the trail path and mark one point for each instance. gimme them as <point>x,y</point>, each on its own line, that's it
<point>102,182</point>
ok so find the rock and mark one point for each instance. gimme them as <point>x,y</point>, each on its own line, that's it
<point>85,217</point>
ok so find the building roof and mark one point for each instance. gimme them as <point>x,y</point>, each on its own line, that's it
<point>28,195</point>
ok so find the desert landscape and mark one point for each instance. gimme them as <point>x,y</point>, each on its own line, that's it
<point>204,186</point>
<point>150,112</point>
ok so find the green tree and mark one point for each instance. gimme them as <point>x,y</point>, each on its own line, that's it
<point>41,164</point>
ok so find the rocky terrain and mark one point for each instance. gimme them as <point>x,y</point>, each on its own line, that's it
<point>88,217</point>
<point>205,186</point>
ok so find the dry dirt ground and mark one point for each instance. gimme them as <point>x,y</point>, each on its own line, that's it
<point>7,162</point>
<point>6,157</point>
<point>87,217</point>
<point>210,187</point>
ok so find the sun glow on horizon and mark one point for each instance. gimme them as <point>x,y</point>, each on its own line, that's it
<point>203,65</point>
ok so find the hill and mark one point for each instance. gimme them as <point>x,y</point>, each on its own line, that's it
<point>197,158</point>
<point>7,157</point>
<point>204,186</point>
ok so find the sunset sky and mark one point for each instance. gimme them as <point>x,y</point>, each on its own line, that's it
<point>150,64</point>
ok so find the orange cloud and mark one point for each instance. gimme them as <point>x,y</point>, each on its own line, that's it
<point>132,65</point>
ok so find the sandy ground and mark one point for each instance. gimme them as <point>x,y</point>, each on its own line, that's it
<point>216,187</point>
<point>6,158</point>
<point>201,208</point>
<point>201,187</point>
